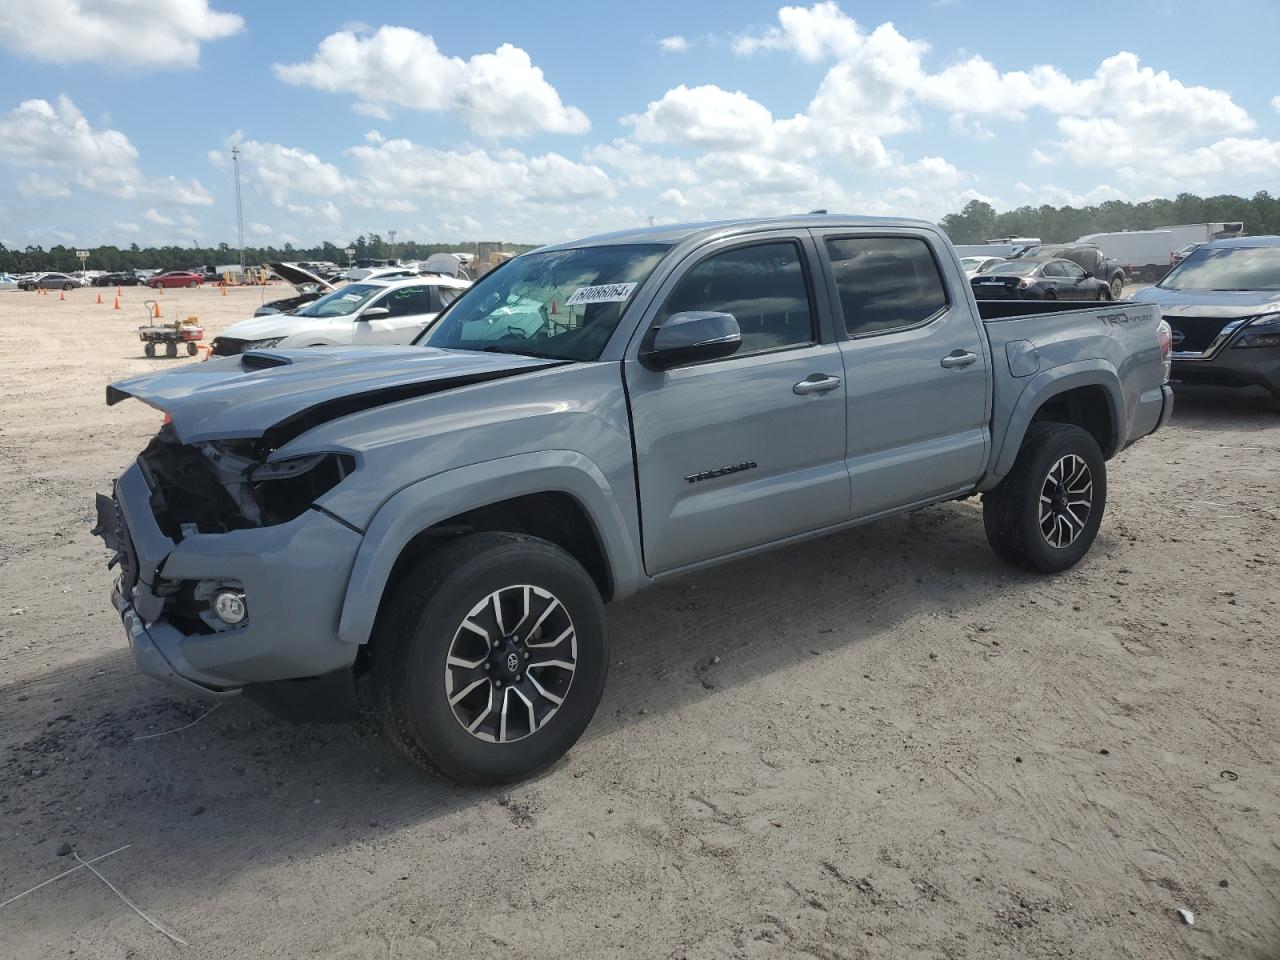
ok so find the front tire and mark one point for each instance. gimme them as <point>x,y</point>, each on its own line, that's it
<point>489,658</point>
<point>1045,513</point>
<point>193,284</point>
<point>1117,287</point>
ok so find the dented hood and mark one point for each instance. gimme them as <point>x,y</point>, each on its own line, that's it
<point>285,392</point>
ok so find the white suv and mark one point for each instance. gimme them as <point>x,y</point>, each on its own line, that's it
<point>361,314</point>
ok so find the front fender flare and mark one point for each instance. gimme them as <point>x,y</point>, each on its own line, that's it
<point>1046,385</point>
<point>427,502</point>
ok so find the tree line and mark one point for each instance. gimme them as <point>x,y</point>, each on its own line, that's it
<point>979,222</point>
<point>111,258</point>
<point>976,223</point>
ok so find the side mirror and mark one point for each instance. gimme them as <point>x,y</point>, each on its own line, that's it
<point>373,313</point>
<point>692,337</point>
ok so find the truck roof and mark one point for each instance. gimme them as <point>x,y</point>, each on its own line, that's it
<point>676,233</point>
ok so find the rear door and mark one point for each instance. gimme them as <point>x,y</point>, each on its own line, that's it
<point>749,449</point>
<point>1076,285</point>
<point>409,310</point>
<point>916,366</point>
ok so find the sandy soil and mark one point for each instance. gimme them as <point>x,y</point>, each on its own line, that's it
<point>881,744</point>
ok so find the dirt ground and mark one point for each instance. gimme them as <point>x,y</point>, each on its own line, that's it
<point>880,744</point>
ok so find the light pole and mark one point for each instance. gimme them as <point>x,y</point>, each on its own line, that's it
<point>235,160</point>
<point>392,235</point>
<point>350,252</point>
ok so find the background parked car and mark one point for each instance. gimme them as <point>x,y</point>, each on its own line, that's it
<point>975,265</point>
<point>176,278</point>
<point>1035,279</point>
<point>371,312</point>
<point>124,279</point>
<point>1183,252</point>
<point>308,285</point>
<point>1092,258</point>
<point>1223,305</point>
<point>49,281</point>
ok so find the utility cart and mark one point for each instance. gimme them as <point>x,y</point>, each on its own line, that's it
<point>170,334</point>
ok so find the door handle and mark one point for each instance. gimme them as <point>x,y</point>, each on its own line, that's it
<point>958,358</point>
<point>816,383</point>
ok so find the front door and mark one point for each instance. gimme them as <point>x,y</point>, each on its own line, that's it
<point>409,310</point>
<point>749,449</point>
<point>916,366</point>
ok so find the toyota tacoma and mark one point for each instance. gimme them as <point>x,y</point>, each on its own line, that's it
<point>441,524</point>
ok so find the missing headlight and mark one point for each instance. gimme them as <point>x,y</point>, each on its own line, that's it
<point>220,486</point>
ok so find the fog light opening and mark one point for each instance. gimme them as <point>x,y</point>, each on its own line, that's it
<point>229,607</point>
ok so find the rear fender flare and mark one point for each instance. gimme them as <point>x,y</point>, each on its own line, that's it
<point>1046,386</point>
<point>427,502</point>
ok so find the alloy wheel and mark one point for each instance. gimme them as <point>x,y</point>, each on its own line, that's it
<point>511,664</point>
<point>1066,500</point>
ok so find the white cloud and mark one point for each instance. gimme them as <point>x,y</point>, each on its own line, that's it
<point>284,171</point>
<point>258,230</point>
<point>499,94</point>
<point>704,116</point>
<point>1275,103</point>
<point>57,139</point>
<point>159,219</point>
<point>149,34</point>
<point>38,185</point>
<point>675,44</point>
<point>126,226</point>
<point>673,197</point>
<point>400,168</point>
<point>967,127</point>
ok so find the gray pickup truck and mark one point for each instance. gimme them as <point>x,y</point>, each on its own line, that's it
<point>441,524</point>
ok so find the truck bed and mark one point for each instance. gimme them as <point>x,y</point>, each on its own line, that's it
<point>1040,348</point>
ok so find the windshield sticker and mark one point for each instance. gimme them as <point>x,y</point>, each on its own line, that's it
<point>605,293</point>
<point>353,297</point>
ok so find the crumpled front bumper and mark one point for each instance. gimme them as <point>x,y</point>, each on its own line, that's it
<point>294,576</point>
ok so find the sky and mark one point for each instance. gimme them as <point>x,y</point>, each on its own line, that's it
<point>531,122</point>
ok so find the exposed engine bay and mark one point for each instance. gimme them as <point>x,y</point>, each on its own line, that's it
<point>221,485</point>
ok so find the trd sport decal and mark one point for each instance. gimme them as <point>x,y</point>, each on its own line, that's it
<point>722,471</point>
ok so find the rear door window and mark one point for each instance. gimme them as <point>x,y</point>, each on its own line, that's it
<point>885,283</point>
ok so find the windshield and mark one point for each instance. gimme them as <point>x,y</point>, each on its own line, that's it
<point>1226,268</point>
<point>561,304</point>
<point>342,302</point>
<point>1015,268</point>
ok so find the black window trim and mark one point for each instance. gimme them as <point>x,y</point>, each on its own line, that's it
<point>815,329</point>
<point>842,328</point>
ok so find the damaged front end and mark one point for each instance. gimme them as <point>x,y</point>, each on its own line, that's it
<point>217,486</point>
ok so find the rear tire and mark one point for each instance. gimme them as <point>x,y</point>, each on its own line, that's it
<point>170,350</point>
<point>441,634</point>
<point>192,349</point>
<point>193,284</point>
<point>1117,287</point>
<point>149,349</point>
<point>1045,513</point>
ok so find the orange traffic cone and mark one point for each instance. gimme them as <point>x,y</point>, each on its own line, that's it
<point>117,306</point>
<point>99,296</point>
<point>224,289</point>
<point>157,313</point>
<point>62,295</point>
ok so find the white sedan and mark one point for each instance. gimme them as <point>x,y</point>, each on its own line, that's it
<point>360,314</point>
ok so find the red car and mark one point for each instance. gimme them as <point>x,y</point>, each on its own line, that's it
<point>175,278</point>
